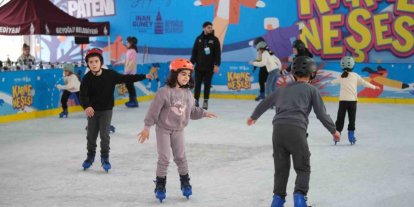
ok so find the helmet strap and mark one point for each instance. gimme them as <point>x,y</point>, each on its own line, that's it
<point>97,73</point>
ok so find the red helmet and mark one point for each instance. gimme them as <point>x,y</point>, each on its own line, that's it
<point>94,52</point>
<point>181,63</point>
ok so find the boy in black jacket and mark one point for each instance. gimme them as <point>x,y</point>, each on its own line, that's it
<point>97,98</point>
<point>206,56</point>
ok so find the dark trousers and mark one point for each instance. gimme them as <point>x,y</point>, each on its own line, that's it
<point>65,97</point>
<point>289,140</point>
<point>262,78</point>
<point>99,123</point>
<point>205,77</point>
<point>131,90</point>
<point>351,108</point>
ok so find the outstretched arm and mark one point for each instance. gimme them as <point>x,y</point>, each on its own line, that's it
<point>365,83</point>
<point>119,78</point>
<point>263,106</point>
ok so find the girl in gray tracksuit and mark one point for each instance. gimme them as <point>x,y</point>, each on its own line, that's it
<point>170,111</point>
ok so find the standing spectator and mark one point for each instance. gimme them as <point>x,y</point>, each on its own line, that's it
<point>131,69</point>
<point>206,56</point>
<point>26,59</point>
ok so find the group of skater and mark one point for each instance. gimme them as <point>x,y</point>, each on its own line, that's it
<point>174,105</point>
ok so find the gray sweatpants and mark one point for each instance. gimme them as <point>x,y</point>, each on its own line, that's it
<point>167,140</point>
<point>99,123</point>
<point>290,140</point>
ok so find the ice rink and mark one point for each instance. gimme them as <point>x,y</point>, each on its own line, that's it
<point>230,163</point>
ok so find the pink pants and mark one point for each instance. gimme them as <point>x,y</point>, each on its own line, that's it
<point>167,140</point>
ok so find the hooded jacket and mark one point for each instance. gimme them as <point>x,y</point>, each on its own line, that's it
<point>199,57</point>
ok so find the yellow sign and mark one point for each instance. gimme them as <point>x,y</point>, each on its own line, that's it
<point>382,30</point>
<point>238,81</point>
<point>22,96</point>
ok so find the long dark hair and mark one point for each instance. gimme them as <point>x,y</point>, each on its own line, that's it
<point>133,41</point>
<point>346,72</point>
<point>172,80</point>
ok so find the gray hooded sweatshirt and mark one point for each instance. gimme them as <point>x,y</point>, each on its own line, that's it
<point>293,105</point>
<point>172,108</point>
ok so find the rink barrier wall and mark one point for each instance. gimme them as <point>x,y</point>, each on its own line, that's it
<point>33,94</point>
<point>325,99</point>
<point>55,112</point>
<point>73,109</point>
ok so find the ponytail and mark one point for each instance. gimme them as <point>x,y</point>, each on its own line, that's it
<point>345,73</point>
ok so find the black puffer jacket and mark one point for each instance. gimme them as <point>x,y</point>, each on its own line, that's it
<point>199,57</point>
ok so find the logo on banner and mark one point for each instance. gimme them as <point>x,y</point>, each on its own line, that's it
<point>238,81</point>
<point>174,26</point>
<point>10,30</point>
<point>147,23</point>
<point>143,23</point>
<point>363,29</point>
<point>22,96</point>
<point>90,8</point>
<point>73,30</point>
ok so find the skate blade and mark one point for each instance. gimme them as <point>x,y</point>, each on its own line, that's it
<point>160,199</point>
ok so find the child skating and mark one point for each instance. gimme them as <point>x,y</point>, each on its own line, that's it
<point>97,98</point>
<point>131,68</point>
<point>294,103</point>
<point>272,64</point>
<point>170,111</point>
<point>348,96</point>
<point>72,85</point>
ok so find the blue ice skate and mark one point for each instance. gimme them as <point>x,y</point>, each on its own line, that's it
<point>299,200</point>
<point>160,190</point>
<point>64,113</point>
<point>351,137</point>
<point>132,103</point>
<point>186,188</point>
<point>111,129</point>
<point>88,162</point>
<point>261,96</point>
<point>105,163</point>
<point>278,201</point>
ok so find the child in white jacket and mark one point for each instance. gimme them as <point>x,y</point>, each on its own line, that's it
<point>72,85</point>
<point>348,96</point>
<point>272,64</point>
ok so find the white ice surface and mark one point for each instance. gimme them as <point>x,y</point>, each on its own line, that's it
<point>230,164</point>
